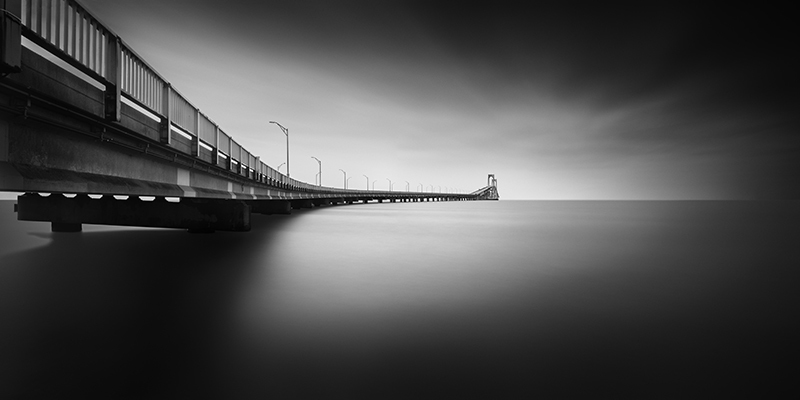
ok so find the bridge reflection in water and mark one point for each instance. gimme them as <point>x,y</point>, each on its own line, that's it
<point>99,120</point>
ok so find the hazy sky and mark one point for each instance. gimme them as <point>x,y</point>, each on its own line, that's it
<point>633,102</point>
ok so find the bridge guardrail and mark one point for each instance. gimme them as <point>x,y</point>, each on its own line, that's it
<point>67,30</point>
<point>70,32</point>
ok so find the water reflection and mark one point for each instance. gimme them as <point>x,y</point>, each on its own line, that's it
<point>483,300</point>
<point>121,310</point>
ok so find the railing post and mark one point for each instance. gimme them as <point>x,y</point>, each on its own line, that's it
<point>239,164</point>
<point>10,36</point>
<point>215,153</point>
<point>113,93</point>
<point>257,169</point>
<point>229,167</point>
<point>196,138</point>
<point>166,120</point>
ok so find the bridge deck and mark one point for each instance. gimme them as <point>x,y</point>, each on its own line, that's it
<point>82,113</point>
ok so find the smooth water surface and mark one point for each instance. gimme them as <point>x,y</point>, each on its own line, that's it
<point>410,300</point>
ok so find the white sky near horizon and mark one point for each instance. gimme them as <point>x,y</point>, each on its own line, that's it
<point>557,104</point>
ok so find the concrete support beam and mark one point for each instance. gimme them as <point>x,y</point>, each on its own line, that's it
<point>67,214</point>
<point>298,204</point>
<point>270,206</point>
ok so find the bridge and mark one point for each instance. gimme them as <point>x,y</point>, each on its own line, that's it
<point>91,133</point>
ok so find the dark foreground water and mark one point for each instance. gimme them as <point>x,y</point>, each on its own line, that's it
<point>433,300</point>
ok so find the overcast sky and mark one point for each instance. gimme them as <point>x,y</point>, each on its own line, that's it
<point>562,102</point>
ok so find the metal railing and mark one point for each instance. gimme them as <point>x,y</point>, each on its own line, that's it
<point>70,32</point>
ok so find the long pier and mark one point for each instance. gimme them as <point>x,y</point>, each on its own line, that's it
<point>86,120</point>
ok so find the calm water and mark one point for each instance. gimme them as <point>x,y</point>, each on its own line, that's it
<point>423,300</point>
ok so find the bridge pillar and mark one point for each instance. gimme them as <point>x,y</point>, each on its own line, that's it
<point>200,215</point>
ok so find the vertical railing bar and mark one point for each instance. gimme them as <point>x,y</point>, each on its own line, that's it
<point>123,60</point>
<point>151,89</point>
<point>38,21</point>
<point>70,45</point>
<point>91,48</point>
<point>142,83</point>
<point>159,99</point>
<point>43,17</point>
<point>64,20</point>
<point>45,33</point>
<point>136,91</point>
<point>51,21</point>
<point>230,153</point>
<point>104,54</point>
<point>132,75</point>
<point>128,72</point>
<point>58,23</point>
<point>215,154</point>
<point>166,135</point>
<point>54,18</point>
<point>96,47</point>
<point>156,86</point>
<point>75,33</point>
<point>86,38</point>
<point>139,81</point>
<point>196,139</point>
<point>135,75</point>
<point>32,15</point>
<point>152,97</point>
<point>26,15</point>
<point>79,36</point>
<point>48,20</point>
<point>65,38</point>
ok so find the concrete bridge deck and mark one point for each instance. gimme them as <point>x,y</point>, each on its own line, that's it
<point>81,113</point>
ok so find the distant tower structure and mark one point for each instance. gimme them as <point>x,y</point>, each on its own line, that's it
<point>490,192</point>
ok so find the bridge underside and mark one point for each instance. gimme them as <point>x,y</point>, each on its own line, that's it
<point>56,138</point>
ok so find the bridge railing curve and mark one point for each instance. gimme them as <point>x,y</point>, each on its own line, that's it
<point>67,30</point>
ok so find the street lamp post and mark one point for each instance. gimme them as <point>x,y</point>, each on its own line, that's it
<point>320,169</point>
<point>421,188</point>
<point>408,187</point>
<point>345,177</point>
<point>373,184</point>
<point>285,132</point>
<point>367,181</point>
<point>347,182</point>
<point>390,184</point>
<point>279,166</point>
